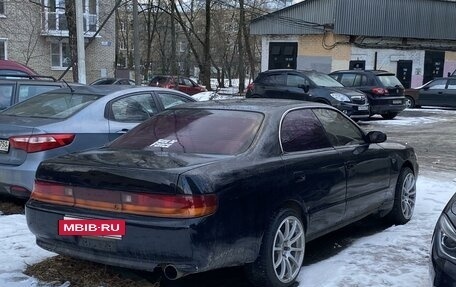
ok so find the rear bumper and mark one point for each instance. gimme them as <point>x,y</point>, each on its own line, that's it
<point>386,105</point>
<point>190,245</point>
<point>17,176</point>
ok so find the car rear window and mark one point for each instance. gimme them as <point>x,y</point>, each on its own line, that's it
<point>51,105</point>
<point>194,131</point>
<point>28,91</point>
<point>389,80</point>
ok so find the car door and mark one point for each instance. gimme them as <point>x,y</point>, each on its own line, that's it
<point>272,85</point>
<point>433,93</point>
<point>126,112</point>
<point>450,100</point>
<point>316,171</point>
<point>295,87</point>
<point>368,166</point>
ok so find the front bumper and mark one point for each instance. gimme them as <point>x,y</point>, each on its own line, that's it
<point>354,110</point>
<point>191,245</point>
<point>442,268</point>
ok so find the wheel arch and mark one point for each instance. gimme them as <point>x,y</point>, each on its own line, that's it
<point>299,208</point>
<point>408,164</point>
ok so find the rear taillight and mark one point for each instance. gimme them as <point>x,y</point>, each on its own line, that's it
<point>159,205</point>
<point>42,142</point>
<point>380,91</point>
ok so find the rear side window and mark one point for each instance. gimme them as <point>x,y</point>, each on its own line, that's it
<point>301,131</point>
<point>274,79</point>
<point>168,100</point>
<point>339,129</point>
<point>6,93</point>
<point>28,91</point>
<point>194,131</point>
<point>389,80</point>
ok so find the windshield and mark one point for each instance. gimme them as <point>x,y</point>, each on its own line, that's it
<point>50,105</point>
<point>323,80</point>
<point>389,80</point>
<point>194,131</point>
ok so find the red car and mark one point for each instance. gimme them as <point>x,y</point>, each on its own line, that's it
<point>8,67</point>
<point>182,84</point>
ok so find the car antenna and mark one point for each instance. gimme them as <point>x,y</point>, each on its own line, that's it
<point>71,89</point>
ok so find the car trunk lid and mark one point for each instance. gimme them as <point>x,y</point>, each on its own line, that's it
<point>128,170</point>
<point>17,126</point>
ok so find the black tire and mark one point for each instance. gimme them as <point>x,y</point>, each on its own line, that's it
<point>262,272</point>
<point>409,102</point>
<point>404,198</point>
<point>389,115</point>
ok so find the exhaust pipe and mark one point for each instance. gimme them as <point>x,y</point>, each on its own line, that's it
<point>171,272</point>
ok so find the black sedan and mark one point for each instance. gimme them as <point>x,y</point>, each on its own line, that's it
<point>443,254</point>
<point>440,92</point>
<point>224,183</point>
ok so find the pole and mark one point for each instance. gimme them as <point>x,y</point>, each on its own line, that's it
<point>80,42</point>
<point>136,43</point>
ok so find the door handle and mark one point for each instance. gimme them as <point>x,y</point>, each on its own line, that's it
<point>122,131</point>
<point>299,176</point>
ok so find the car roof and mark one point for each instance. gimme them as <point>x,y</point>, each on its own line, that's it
<point>255,105</point>
<point>375,72</point>
<point>105,90</point>
<point>12,65</point>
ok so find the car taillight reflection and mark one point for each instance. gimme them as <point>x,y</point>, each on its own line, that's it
<point>250,87</point>
<point>41,142</point>
<point>159,205</point>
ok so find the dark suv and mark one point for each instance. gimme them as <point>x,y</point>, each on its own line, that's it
<point>14,89</point>
<point>383,89</point>
<point>309,86</point>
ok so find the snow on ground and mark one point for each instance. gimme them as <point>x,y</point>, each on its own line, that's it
<point>397,256</point>
<point>405,121</point>
<point>17,250</point>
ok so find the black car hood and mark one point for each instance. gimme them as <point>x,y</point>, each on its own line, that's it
<point>122,169</point>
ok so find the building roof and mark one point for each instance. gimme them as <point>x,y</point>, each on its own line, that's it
<point>421,19</point>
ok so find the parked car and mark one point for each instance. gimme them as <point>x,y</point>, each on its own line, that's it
<point>68,120</point>
<point>443,247</point>
<point>438,92</point>
<point>213,184</point>
<point>384,91</point>
<point>113,81</point>
<point>11,68</point>
<point>19,88</point>
<point>309,86</point>
<point>183,84</point>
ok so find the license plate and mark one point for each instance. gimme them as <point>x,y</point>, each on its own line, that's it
<point>363,108</point>
<point>4,145</point>
<point>397,102</point>
<point>103,245</point>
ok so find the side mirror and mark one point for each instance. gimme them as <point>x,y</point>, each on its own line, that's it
<point>376,137</point>
<point>306,88</point>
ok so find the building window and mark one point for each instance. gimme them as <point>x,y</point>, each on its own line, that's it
<point>55,22</point>
<point>2,7</point>
<point>3,49</point>
<point>60,55</point>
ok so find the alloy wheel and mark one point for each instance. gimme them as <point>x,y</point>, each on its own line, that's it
<point>288,249</point>
<point>408,196</point>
